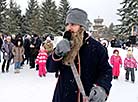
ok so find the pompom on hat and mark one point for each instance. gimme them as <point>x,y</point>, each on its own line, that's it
<point>77,16</point>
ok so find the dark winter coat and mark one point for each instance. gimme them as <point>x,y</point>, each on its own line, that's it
<point>26,45</point>
<point>95,69</point>
<point>1,42</point>
<point>7,50</point>
<point>36,42</point>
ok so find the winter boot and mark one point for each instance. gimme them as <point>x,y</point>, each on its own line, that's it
<point>17,71</point>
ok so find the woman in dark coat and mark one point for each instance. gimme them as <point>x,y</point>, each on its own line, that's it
<point>7,53</point>
<point>91,61</point>
<point>26,45</point>
<point>35,44</point>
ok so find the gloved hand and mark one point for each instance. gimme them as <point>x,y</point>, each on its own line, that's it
<point>64,45</point>
<point>125,68</point>
<point>97,94</point>
<point>62,48</point>
<point>135,69</point>
<point>67,35</point>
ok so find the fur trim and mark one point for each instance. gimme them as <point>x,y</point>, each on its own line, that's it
<point>77,41</point>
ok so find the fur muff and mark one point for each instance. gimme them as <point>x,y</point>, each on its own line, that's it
<point>76,43</point>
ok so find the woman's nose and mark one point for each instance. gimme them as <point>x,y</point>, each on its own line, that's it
<point>68,27</point>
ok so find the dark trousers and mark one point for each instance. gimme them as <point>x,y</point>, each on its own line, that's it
<point>7,67</point>
<point>130,70</point>
<point>32,61</point>
<point>25,59</point>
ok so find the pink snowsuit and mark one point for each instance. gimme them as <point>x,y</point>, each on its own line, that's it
<point>130,62</point>
<point>41,61</point>
<point>116,61</point>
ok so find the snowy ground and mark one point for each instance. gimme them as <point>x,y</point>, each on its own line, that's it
<point>28,87</point>
<point>121,90</point>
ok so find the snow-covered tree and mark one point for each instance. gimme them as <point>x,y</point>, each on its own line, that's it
<point>129,16</point>
<point>32,20</point>
<point>49,17</point>
<point>13,17</point>
<point>3,6</point>
<point>111,29</point>
<point>63,9</point>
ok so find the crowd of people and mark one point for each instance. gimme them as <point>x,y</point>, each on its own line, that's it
<point>21,50</point>
<point>95,68</point>
<point>88,55</point>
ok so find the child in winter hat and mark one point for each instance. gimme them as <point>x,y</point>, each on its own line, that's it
<point>129,51</point>
<point>116,62</point>
<point>130,64</point>
<point>41,61</point>
<point>116,51</point>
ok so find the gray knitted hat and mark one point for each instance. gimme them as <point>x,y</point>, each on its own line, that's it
<point>77,16</point>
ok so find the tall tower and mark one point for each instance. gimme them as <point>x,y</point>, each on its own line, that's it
<point>98,27</point>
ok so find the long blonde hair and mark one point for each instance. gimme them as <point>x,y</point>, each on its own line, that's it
<point>77,41</point>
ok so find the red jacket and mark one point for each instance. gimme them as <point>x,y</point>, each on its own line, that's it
<point>115,60</point>
<point>41,57</point>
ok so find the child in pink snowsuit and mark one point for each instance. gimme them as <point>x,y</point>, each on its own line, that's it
<point>116,61</point>
<point>41,61</point>
<point>130,64</point>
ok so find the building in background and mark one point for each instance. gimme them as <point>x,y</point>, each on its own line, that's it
<point>98,27</point>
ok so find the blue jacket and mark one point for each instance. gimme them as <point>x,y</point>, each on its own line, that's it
<point>95,69</point>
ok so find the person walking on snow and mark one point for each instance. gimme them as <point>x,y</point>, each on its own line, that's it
<point>116,62</point>
<point>130,65</point>
<point>7,53</point>
<point>41,61</point>
<point>18,52</point>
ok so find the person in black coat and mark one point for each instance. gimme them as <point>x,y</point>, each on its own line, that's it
<point>26,45</point>
<point>90,58</point>
<point>113,42</point>
<point>1,42</point>
<point>35,44</point>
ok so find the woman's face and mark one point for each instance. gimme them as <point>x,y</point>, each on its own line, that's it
<point>8,39</point>
<point>72,27</point>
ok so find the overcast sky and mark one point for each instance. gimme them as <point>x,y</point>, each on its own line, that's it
<point>105,9</point>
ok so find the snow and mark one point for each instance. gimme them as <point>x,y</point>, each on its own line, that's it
<point>121,90</point>
<point>27,86</point>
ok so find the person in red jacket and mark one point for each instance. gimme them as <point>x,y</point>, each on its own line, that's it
<point>116,61</point>
<point>41,61</point>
